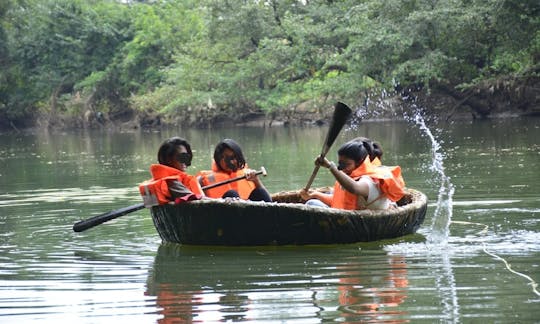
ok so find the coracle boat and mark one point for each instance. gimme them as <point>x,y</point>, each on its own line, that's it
<point>284,221</point>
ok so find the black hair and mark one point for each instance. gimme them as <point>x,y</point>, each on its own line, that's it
<point>354,150</point>
<point>169,149</point>
<point>233,146</point>
<point>378,150</point>
<point>374,149</point>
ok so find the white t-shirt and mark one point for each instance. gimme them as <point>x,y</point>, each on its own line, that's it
<point>373,201</point>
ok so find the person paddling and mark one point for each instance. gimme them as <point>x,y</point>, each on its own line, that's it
<point>359,183</point>
<point>228,163</point>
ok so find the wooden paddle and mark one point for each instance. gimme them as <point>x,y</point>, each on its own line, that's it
<point>341,114</point>
<point>100,219</point>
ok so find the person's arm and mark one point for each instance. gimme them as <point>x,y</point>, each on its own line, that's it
<point>200,180</point>
<point>325,198</point>
<point>177,188</point>
<point>251,175</point>
<point>348,183</point>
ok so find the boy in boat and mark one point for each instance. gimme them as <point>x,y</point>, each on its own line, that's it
<point>359,183</point>
<point>229,163</point>
<point>170,181</point>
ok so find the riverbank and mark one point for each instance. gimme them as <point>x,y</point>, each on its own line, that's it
<point>501,99</point>
<point>482,105</point>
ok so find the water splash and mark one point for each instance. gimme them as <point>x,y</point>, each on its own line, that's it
<point>440,247</point>
<point>443,212</point>
<point>442,217</point>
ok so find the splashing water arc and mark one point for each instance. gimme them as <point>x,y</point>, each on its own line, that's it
<point>443,212</point>
<point>442,216</point>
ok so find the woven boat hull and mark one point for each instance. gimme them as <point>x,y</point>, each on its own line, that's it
<point>284,221</point>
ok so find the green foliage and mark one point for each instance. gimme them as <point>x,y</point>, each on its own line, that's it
<point>180,56</point>
<point>55,44</point>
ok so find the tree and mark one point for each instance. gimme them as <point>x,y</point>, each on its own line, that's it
<point>55,44</point>
<point>205,58</point>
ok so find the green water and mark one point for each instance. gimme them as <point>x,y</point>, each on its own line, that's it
<point>120,271</point>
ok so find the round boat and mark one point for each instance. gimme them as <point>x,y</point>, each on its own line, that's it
<point>286,220</point>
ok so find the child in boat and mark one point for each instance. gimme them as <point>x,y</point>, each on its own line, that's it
<point>359,183</point>
<point>373,148</point>
<point>229,162</point>
<point>170,181</point>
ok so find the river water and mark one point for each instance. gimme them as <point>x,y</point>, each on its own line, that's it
<point>475,258</point>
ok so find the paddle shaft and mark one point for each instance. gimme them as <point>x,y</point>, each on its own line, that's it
<point>100,219</point>
<point>339,118</point>
<point>224,182</point>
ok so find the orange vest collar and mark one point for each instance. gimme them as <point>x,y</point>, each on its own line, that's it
<point>364,168</point>
<point>159,171</point>
<point>342,199</point>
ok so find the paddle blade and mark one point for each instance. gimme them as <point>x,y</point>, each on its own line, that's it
<point>342,112</point>
<point>339,118</point>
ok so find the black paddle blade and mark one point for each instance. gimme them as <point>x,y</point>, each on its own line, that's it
<point>342,112</point>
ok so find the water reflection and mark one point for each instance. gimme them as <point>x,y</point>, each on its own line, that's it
<point>199,284</point>
<point>374,303</point>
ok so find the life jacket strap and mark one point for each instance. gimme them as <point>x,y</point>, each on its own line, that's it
<point>371,202</point>
<point>149,198</point>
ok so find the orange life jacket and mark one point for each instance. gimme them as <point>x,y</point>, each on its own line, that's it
<point>391,184</point>
<point>156,191</point>
<point>342,199</point>
<point>243,187</point>
<point>391,181</point>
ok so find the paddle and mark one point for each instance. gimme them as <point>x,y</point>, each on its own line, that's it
<point>341,114</point>
<point>100,219</point>
<point>217,184</point>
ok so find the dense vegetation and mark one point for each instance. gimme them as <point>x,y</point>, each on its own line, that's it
<point>195,59</point>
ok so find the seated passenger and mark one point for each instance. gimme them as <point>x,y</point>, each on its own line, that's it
<point>170,181</point>
<point>229,163</point>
